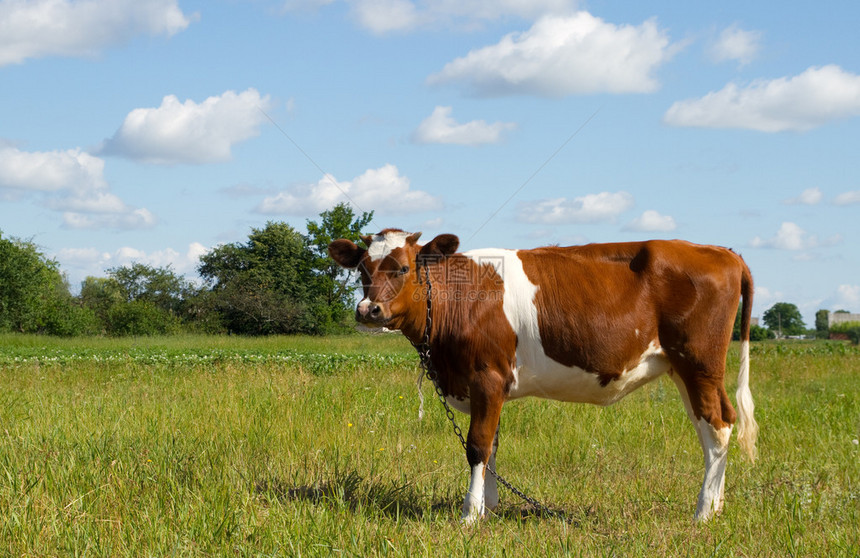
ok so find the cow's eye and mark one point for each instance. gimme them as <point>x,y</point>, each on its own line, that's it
<point>404,270</point>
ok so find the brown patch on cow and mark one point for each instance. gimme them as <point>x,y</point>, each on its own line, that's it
<point>590,302</point>
<point>472,343</point>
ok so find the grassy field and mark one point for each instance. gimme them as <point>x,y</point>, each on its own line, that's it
<point>216,446</point>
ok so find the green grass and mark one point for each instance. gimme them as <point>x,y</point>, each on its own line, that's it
<point>212,446</point>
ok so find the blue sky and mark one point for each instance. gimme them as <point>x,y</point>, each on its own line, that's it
<point>154,130</point>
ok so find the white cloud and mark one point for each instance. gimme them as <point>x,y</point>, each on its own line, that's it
<point>440,127</point>
<point>182,263</point>
<point>432,224</point>
<point>385,16</point>
<point>50,171</point>
<point>565,55</point>
<point>799,103</point>
<point>40,28</point>
<point>83,262</point>
<point>591,208</point>
<point>383,190</point>
<point>764,297</point>
<point>382,16</point>
<point>90,202</point>
<point>126,218</point>
<point>810,196</point>
<point>735,43</point>
<point>791,236</point>
<point>71,181</point>
<point>189,132</point>
<point>846,297</point>
<point>652,221</point>
<point>848,198</point>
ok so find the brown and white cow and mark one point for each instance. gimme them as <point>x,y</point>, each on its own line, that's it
<point>583,323</point>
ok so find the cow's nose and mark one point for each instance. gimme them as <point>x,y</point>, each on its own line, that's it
<point>368,310</point>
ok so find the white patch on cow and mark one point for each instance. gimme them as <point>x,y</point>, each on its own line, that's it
<point>382,245</point>
<point>547,378</point>
<point>536,374</point>
<point>517,303</point>
<point>363,305</point>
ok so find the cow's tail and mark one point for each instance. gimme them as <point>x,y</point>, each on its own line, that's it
<point>747,427</point>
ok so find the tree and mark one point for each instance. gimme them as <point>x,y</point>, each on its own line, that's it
<point>757,333</point>
<point>336,284</point>
<point>139,299</point>
<point>34,295</point>
<point>100,294</point>
<point>266,285</point>
<point>784,318</point>
<point>822,323</point>
<point>160,286</point>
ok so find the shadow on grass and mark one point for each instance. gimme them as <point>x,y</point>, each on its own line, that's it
<point>353,492</point>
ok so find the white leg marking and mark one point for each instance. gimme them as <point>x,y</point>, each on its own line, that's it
<point>715,447</point>
<point>473,505</point>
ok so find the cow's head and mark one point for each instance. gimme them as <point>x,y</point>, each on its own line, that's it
<point>389,273</point>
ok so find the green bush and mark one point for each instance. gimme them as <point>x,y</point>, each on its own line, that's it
<point>65,317</point>
<point>851,329</point>
<point>758,333</point>
<point>141,317</point>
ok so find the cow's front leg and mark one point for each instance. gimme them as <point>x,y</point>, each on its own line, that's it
<point>486,408</point>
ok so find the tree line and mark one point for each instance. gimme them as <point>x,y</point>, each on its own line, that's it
<point>784,319</point>
<point>279,281</point>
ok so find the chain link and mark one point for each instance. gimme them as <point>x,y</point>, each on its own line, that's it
<point>430,373</point>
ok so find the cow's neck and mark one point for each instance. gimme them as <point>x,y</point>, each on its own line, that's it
<point>414,323</point>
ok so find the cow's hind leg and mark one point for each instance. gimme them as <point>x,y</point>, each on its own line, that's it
<point>491,487</point>
<point>712,415</point>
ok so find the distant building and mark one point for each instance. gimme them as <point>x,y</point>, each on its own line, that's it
<point>834,318</point>
<point>753,321</point>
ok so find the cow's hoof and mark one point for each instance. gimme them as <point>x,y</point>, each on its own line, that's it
<point>470,518</point>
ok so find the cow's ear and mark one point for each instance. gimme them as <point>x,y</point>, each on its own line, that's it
<point>346,253</point>
<point>367,239</point>
<point>441,246</point>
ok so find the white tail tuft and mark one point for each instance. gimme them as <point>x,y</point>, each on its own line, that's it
<point>747,427</point>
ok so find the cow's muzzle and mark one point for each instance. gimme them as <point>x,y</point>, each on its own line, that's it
<point>368,312</point>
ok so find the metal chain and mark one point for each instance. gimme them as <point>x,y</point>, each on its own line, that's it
<point>430,373</point>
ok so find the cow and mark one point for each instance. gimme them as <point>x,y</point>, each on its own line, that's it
<point>583,324</point>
